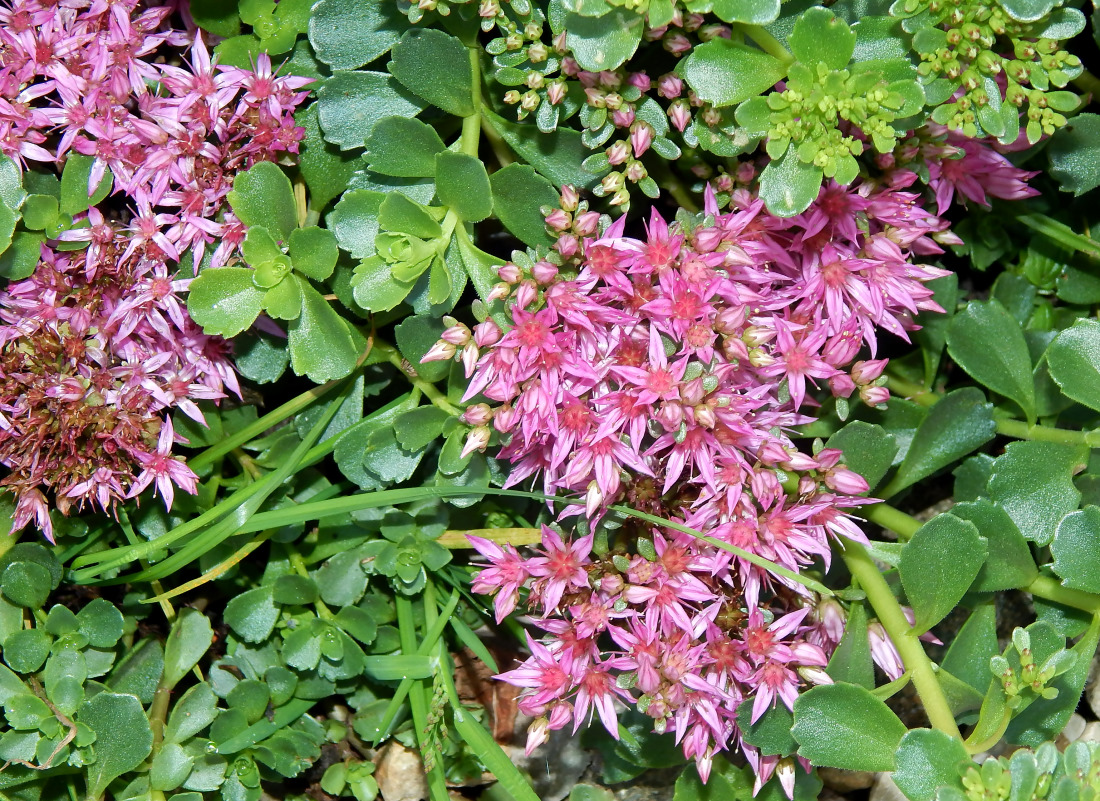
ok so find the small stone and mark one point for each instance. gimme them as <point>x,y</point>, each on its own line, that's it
<point>1091,732</point>
<point>1072,731</point>
<point>886,790</point>
<point>400,774</point>
<point>1092,693</point>
<point>844,781</point>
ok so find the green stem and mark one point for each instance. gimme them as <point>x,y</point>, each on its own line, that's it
<point>437,398</point>
<point>1087,82</point>
<point>882,514</point>
<point>1007,426</point>
<point>1049,589</point>
<point>1061,233</point>
<point>768,43</point>
<point>471,125</point>
<point>893,620</point>
<point>300,568</point>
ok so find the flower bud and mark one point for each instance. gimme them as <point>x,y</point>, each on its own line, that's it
<point>680,115</point>
<point>593,499</point>
<point>640,81</point>
<point>841,385</point>
<point>873,396</point>
<point>641,137</point>
<point>498,292</point>
<point>457,334</point>
<point>586,223</point>
<point>567,246</point>
<point>476,440</point>
<point>480,414</point>
<point>537,53</point>
<point>555,93</point>
<point>704,416</point>
<point>676,43</point>
<point>620,198</point>
<point>806,486</point>
<point>622,117</point>
<point>848,482</point>
<point>866,372</point>
<point>569,198</point>
<point>670,86</point>
<point>504,418</point>
<point>617,153</point>
<point>470,355</point>
<point>441,351</point>
<point>708,239</point>
<point>486,333</point>
<point>509,273</point>
<point>559,220</point>
<point>537,734</point>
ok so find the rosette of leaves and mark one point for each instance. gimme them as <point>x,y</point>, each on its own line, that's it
<point>269,27</point>
<point>285,261</point>
<point>808,124</point>
<point>968,49</point>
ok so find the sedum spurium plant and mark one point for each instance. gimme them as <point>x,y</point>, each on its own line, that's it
<point>614,346</point>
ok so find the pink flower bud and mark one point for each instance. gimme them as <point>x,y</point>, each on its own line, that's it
<point>526,294</point>
<point>800,462</point>
<point>692,392</point>
<point>458,335</point>
<point>586,223</point>
<point>814,675</point>
<point>784,771</point>
<point>537,734</point>
<point>498,292</point>
<point>555,93</point>
<point>848,482</point>
<point>841,385</point>
<point>594,97</point>
<point>704,416</point>
<point>841,349</point>
<point>746,171</point>
<point>772,453</point>
<point>670,415</point>
<point>765,487</point>
<point>593,499</point>
<point>724,182</point>
<point>612,584</point>
<point>635,171</point>
<point>504,418</point>
<point>670,86</point>
<point>874,396</point>
<point>832,617</point>
<point>569,198</point>
<point>729,320</point>
<point>708,239</point>
<point>677,44</point>
<point>617,153</point>
<point>640,81</point>
<point>760,358</point>
<point>806,486</point>
<point>865,372</point>
<point>480,414</point>
<point>680,115</point>
<point>470,355</point>
<point>544,272</point>
<point>567,246</point>
<point>486,333</point>
<point>476,440</point>
<point>441,351</point>
<point>622,117</point>
<point>509,273</point>
<point>558,220</point>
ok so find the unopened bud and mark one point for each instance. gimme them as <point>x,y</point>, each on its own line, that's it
<point>476,440</point>
<point>480,414</point>
<point>544,272</point>
<point>874,396</point>
<point>569,198</point>
<point>486,333</point>
<point>441,351</point>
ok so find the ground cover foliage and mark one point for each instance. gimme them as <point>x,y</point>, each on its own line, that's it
<point>435,377</point>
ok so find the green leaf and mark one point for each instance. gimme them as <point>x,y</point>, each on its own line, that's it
<point>938,565</point>
<point>819,36</point>
<point>39,212</point>
<point>26,584</point>
<point>957,425</point>
<point>1076,550</point>
<point>1074,364</point>
<point>101,622</point>
<point>972,477</point>
<point>845,726</point>
<point>519,193</point>
<point>927,760</point>
<point>294,589</point>
<point>252,614</point>
<point>319,341</point>
<point>26,651</point>
<point>346,34</point>
<point>189,639</point>
<point>415,337</point>
<point>416,429</point>
<point>354,221</point>
<point>22,256</point>
<point>1009,565</point>
<point>1005,369</point>
<point>399,214</point>
<point>604,43</point>
<point>217,16</point>
<point>324,167</point>
<point>375,288</point>
<point>932,336</point>
<point>224,300</point>
<point>123,738</point>
<point>193,712</point>
<point>556,155</point>
<point>259,246</point>
<point>1033,482</point>
<point>748,12</point>
<point>723,73</point>
<point>404,147</point>
<point>342,580</point>
<point>771,733</point>
<point>868,449</point>
<point>788,186</point>
<point>492,755</point>
<point>284,300</point>
<point>170,767</point>
<point>261,358</point>
<point>75,197</point>
<point>435,66</point>
<point>1075,154</point>
<point>851,661</point>
<point>12,194</point>
<point>139,672</point>
<point>462,184</point>
<point>262,195</point>
<point>313,252</point>
<point>350,103</point>
<point>1027,10</point>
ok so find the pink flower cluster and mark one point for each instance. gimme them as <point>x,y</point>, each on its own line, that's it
<point>97,344</point>
<point>664,373</point>
<point>83,76</point>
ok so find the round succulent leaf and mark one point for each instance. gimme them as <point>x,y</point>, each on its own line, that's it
<point>26,584</point>
<point>268,274</point>
<point>462,184</point>
<point>320,344</point>
<point>39,212</point>
<point>189,639</point>
<point>819,36</point>
<point>354,221</point>
<point>435,66</point>
<point>938,565</point>
<point>294,589</point>
<point>350,103</point>
<point>1027,10</point>
<point>313,252</point>
<point>259,246</point>
<point>845,726</point>
<point>224,300</point>
<point>346,34</point>
<point>399,214</point>
<point>1033,482</point>
<point>375,288</point>
<point>747,12</point>
<point>723,73</point>
<point>75,177</point>
<point>26,651</point>
<point>191,713</point>
<point>123,738</point>
<point>1074,362</point>
<point>263,195</point>
<point>604,43</point>
<point>927,760</point>
<point>22,255</point>
<point>252,614</point>
<point>788,186</point>
<point>404,147</point>
<point>1076,550</point>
